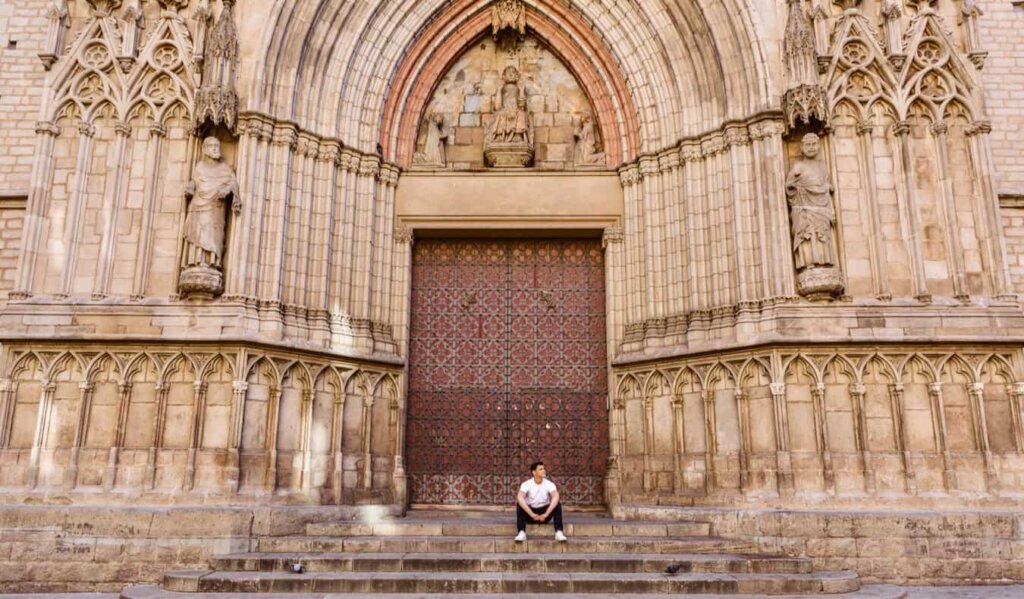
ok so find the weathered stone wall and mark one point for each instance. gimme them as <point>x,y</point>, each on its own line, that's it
<point>1003,79</point>
<point>12,219</point>
<point>22,82</point>
<point>1013,231</point>
<point>56,549</point>
<point>862,426</point>
<point>915,547</point>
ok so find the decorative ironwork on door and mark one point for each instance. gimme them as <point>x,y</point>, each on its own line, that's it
<point>507,366</point>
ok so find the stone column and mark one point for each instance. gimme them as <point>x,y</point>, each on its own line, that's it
<point>36,210</point>
<point>337,434</point>
<point>305,444</point>
<point>195,432</point>
<point>821,433</point>
<point>679,451</point>
<point>1016,408</point>
<point>162,390</point>
<point>367,439</point>
<point>234,468</point>
<point>399,480</point>
<point>81,427</point>
<point>124,400</point>
<point>981,153</point>
<point>872,220</point>
<point>617,447</point>
<point>710,442</point>
<point>941,435</point>
<point>42,423</point>
<point>939,131</point>
<point>270,480</point>
<point>860,422</point>
<point>76,205</point>
<point>154,159</point>
<point>112,204</point>
<point>977,394</point>
<point>910,222</point>
<point>7,399</point>
<point>650,478</point>
<point>786,483</point>
<point>899,416</point>
<point>746,440</point>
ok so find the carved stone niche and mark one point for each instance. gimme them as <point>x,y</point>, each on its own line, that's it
<point>812,222</point>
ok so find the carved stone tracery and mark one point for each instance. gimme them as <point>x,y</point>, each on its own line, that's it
<point>804,100</point>
<point>216,100</point>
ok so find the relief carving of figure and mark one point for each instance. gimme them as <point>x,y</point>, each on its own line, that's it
<point>812,218</point>
<point>585,152</point>
<point>511,122</point>
<point>435,147</point>
<point>213,185</point>
<point>509,137</point>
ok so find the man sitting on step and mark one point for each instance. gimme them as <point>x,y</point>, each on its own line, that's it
<point>538,502</point>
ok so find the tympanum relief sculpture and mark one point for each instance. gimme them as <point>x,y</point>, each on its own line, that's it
<point>813,219</point>
<point>509,108</point>
<point>585,152</point>
<point>434,153</point>
<point>509,139</point>
<point>213,185</point>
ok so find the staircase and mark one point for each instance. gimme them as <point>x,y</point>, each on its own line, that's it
<point>473,553</point>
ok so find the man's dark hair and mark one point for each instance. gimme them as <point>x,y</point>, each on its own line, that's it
<point>534,465</point>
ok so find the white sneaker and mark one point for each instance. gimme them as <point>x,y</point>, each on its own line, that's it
<point>560,537</point>
<point>521,536</point>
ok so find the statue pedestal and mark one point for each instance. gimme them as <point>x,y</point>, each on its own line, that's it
<point>820,283</point>
<point>201,282</point>
<point>508,155</point>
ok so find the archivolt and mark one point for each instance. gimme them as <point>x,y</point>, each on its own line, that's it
<point>356,70</point>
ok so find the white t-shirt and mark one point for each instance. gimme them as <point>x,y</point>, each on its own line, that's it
<point>537,495</point>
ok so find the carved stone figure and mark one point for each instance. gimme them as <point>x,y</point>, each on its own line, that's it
<point>812,219</point>
<point>434,148</point>
<point>509,138</point>
<point>213,183</point>
<point>585,152</point>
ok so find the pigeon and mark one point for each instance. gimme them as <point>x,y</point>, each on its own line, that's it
<point>672,569</point>
<point>296,568</point>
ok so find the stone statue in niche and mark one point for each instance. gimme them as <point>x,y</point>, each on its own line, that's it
<point>508,142</point>
<point>813,219</point>
<point>213,184</point>
<point>435,147</point>
<point>586,151</point>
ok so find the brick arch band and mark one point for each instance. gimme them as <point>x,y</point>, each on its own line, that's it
<point>565,33</point>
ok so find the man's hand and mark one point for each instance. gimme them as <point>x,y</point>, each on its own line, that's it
<point>538,517</point>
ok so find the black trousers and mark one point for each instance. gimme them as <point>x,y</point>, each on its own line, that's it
<point>522,518</point>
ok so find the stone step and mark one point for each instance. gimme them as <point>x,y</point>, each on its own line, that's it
<point>490,528</point>
<point>509,582</point>
<point>509,562</point>
<point>477,544</point>
<point>154,592</point>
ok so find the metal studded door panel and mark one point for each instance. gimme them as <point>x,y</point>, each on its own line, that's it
<point>507,365</point>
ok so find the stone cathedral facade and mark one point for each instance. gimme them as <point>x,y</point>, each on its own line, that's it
<point>689,253</point>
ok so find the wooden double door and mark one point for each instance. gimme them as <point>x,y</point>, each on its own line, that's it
<point>508,364</point>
